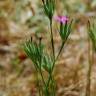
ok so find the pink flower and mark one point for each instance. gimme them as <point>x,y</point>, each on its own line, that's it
<point>61,19</point>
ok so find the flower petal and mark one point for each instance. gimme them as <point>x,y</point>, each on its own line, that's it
<point>61,19</point>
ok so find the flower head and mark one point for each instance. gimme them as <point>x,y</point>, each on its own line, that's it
<point>65,27</point>
<point>49,7</point>
<point>62,19</point>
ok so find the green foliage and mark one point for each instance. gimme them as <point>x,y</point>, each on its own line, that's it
<point>47,63</point>
<point>49,7</point>
<point>34,51</point>
<point>41,60</point>
<point>65,30</point>
<point>92,33</point>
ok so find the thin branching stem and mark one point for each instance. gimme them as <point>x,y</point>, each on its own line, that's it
<point>62,46</point>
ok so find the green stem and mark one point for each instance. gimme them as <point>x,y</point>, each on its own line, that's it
<point>52,41</point>
<point>60,51</point>
<point>51,81</point>
<point>54,63</point>
<point>62,46</point>
<point>45,86</point>
<point>53,50</point>
<point>39,88</point>
<point>53,86</point>
<point>42,77</point>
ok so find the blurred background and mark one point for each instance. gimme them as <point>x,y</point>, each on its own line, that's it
<point>20,19</point>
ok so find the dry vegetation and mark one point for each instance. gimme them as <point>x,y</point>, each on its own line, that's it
<point>20,19</point>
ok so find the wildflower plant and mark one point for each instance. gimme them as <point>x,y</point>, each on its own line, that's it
<point>42,60</point>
